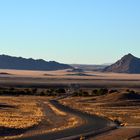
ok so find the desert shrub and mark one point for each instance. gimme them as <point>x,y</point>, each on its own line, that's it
<point>131,92</point>
<point>113,91</point>
<point>102,91</point>
<point>81,93</point>
<point>60,90</point>
<point>127,90</point>
<point>75,93</point>
<point>85,93</point>
<point>42,93</point>
<point>99,92</point>
<point>16,92</point>
<point>51,91</point>
<point>11,89</point>
<point>94,92</point>
<point>22,92</point>
<point>55,92</point>
<point>34,90</point>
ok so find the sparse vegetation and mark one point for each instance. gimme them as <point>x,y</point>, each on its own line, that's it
<point>113,91</point>
<point>22,113</point>
<point>81,93</point>
<point>100,92</point>
<point>120,106</point>
<point>18,114</point>
<point>32,91</point>
<point>95,92</point>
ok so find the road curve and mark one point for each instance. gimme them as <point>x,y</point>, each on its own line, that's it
<point>93,125</point>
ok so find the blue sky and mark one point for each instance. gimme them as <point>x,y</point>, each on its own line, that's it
<point>70,31</point>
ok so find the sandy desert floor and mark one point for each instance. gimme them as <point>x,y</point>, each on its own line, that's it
<point>67,74</point>
<point>61,78</point>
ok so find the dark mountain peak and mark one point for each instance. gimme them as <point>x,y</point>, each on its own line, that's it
<point>127,59</point>
<point>128,56</point>
<point>127,64</point>
<point>20,63</point>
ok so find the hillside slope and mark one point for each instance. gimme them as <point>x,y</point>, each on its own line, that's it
<point>19,63</point>
<point>127,64</point>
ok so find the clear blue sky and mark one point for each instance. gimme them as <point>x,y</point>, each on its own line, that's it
<point>70,31</point>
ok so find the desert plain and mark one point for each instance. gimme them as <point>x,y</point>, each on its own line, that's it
<point>30,115</point>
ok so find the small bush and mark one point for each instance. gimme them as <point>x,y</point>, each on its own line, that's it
<point>131,92</point>
<point>81,93</point>
<point>100,92</point>
<point>60,90</point>
<point>113,91</point>
<point>94,92</point>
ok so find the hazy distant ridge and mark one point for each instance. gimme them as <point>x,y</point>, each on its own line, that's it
<point>19,63</point>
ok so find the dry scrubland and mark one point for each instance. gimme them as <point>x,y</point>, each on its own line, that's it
<point>23,113</point>
<point>25,116</point>
<point>117,107</point>
<point>18,114</point>
<point>31,115</point>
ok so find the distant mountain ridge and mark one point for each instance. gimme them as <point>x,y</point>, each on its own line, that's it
<point>127,64</point>
<point>19,63</point>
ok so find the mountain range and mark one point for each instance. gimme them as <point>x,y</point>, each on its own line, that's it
<point>19,63</point>
<point>127,64</point>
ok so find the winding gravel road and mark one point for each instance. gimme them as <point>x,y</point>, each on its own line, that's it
<point>93,125</point>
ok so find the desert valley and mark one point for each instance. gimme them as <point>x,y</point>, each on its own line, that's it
<point>69,70</point>
<point>70,103</point>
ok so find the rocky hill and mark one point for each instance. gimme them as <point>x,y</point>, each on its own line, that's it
<point>127,64</point>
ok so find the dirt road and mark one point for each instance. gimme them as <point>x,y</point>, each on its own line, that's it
<point>92,125</point>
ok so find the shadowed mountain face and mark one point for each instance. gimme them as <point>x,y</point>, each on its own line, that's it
<point>19,63</point>
<point>127,64</point>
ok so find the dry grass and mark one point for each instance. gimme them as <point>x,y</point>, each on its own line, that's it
<point>33,115</point>
<point>19,112</point>
<point>129,115</point>
<point>126,111</point>
<point>71,122</point>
